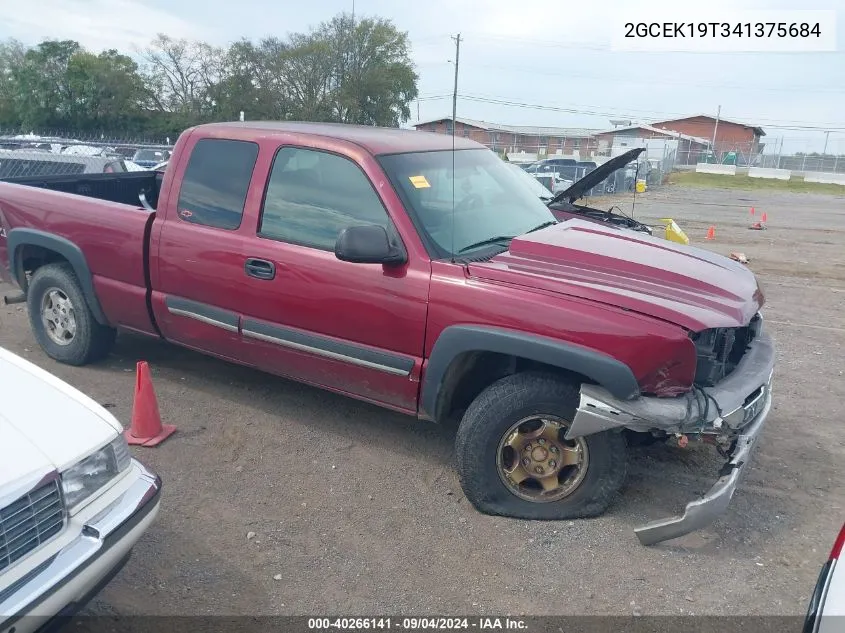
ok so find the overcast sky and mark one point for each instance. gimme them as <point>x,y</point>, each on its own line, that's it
<point>539,53</point>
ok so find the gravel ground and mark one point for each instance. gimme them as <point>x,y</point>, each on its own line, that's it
<point>283,499</point>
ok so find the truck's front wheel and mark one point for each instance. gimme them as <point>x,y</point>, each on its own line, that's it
<point>61,319</point>
<point>513,459</point>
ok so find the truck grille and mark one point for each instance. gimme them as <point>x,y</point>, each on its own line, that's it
<point>719,350</point>
<point>29,522</point>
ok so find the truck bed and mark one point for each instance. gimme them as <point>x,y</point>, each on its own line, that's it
<point>109,237</point>
<point>124,188</point>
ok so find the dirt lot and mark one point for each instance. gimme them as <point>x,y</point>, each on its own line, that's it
<point>359,510</point>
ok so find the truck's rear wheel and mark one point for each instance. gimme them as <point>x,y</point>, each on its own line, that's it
<point>60,317</point>
<point>513,459</point>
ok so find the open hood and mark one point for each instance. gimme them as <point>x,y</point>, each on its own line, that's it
<point>601,172</point>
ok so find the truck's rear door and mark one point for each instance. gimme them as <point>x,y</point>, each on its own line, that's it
<point>197,245</point>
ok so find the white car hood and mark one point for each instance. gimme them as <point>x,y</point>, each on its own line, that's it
<point>43,420</point>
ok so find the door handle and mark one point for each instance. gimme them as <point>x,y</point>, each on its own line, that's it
<point>260,268</point>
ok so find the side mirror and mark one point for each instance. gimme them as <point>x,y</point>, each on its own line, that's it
<point>368,245</point>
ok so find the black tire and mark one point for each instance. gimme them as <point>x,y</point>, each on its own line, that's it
<point>91,341</point>
<point>494,412</point>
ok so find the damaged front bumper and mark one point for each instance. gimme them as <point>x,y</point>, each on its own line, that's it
<point>733,411</point>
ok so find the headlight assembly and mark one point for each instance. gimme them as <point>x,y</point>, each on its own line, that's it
<point>89,475</point>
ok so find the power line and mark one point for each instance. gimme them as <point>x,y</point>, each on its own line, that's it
<point>657,114</point>
<point>618,114</point>
<point>650,81</point>
<point>570,45</point>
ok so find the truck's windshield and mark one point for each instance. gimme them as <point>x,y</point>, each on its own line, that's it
<point>489,200</point>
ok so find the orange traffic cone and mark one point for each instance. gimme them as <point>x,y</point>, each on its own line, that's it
<point>765,217</point>
<point>711,233</point>
<point>146,428</point>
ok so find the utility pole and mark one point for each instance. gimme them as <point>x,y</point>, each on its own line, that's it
<point>826,136</point>
<point>715,129</point>
<point>455,92</point>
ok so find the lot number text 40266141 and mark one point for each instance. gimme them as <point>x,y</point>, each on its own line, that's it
<point>416,624</point>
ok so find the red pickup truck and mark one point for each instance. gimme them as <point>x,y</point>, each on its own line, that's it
<point>394,267</point>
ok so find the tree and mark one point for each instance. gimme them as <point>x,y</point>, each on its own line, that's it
<point>344,70</point>
<point>12,54</point>
<point>182,75</point>
<point>108,93</point>
<point>375,79</point>
<point>43,96</point>
<point>251,81</point>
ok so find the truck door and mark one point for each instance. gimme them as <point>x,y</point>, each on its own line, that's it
<point>354,328</point>
<point>198,266</point>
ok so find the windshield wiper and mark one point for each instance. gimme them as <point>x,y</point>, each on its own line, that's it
<point>491,240</point>
<point>542,226</point>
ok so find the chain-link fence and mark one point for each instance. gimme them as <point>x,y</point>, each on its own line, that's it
<point>24,155</point>
<point>559,170</point>
<point>745,156</point>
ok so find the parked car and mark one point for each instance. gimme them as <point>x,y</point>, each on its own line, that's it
<point>563,204</point>
<point>564,210</point>
<point>89,150</point>
<point>132,166</point>
<point>150,157</point>
<point>27,163</point>
<point>826,611</point>
<point>384,265</point>
<point>552,180</point>
<point>126,153</point>
<point>51,148</point>
<point>73,501</point>
<point>535,185</point>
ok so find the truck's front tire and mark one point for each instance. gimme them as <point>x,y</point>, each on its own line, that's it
<point>61,320</point>
<point>513,459</point>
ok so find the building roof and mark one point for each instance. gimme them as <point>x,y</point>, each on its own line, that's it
<point>656,130</point>
<point>569,132</point>
<point>375,140</point>
<point>756,128</point>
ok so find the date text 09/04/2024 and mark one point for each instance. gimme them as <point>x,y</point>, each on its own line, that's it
<point>722,29</point>
<point>416,624</point>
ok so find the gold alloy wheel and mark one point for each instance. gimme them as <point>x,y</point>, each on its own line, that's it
<point>537,464</point>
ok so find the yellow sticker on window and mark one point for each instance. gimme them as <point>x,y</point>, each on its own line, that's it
<point>419,182</point>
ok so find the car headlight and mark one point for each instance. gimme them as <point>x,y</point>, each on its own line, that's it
<point>83,479</point>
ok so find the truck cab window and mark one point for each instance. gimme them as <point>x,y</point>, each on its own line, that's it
<point>216,182</point>
<point>313,195</point>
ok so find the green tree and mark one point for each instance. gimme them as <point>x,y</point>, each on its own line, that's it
<point>375,78</point>
<point>250,82</point>
<point>12,54</point>
<point>108,93</point>
<point>43,97</point>
<point>344,70</point>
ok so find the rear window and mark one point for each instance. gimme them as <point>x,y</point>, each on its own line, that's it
<point>216,182</point>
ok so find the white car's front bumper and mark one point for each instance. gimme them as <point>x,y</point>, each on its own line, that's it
<point>74,574</point>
